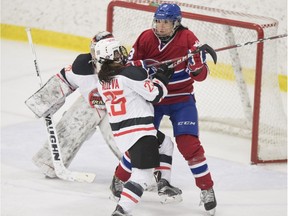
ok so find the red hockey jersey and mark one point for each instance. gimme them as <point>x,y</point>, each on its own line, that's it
<point>148,46</point>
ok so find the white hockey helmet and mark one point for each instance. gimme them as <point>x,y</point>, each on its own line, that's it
<point>110,50</point>
<point>99,36</point>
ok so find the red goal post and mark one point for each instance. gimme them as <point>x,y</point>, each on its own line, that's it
<point>241,96</point>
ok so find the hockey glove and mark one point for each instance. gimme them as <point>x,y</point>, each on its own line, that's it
<point>137,63</point>
<point>50,97</point>
<point>197,61</point>
<point>164,73</point>
<point>140,63</point>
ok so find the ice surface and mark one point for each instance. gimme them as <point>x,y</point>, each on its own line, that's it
<point>241,188</point>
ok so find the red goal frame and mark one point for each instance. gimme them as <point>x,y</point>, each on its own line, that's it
<point>259,59</point>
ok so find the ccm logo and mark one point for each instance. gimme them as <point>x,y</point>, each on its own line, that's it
<point>186,123</point>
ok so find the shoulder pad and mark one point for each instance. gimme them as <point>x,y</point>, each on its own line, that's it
<point>83,65</point>
<point>134,73</point>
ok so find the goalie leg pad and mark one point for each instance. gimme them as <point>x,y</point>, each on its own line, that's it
<point>76,125</point>
<point>49,98</point>
<point>43,161</point>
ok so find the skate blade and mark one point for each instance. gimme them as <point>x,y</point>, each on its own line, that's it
<point>152,188</point>
<point>165,199</point>
<point>211,212</point>
<point>114,198</point>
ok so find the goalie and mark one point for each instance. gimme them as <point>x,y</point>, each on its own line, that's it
<point>79,122</point>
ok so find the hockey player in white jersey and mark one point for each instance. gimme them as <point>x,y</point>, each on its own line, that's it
<point>79,122</point>
<point>128,94</point>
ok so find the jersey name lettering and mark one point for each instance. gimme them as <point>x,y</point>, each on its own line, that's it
<point>113,84</point>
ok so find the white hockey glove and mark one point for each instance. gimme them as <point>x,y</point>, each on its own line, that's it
<point>49,98</point>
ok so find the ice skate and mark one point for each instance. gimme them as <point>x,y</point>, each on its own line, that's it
<point>119,212</point>
<point>208,198</point>
<point>168,193</point>
<point>153,186</point>
<point>116,188</point>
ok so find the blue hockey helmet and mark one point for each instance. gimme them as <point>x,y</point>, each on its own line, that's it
<point>168,12</point>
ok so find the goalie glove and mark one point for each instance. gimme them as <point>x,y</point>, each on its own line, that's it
<point>164,73</point>
<point>196,61</point>
<point>49,98</point>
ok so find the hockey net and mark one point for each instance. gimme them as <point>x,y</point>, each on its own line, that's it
<point>241,96</point>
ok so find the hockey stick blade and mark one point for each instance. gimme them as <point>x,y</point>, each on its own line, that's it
<point>65,174</point>
<point>205,48</point>
<point>209,50</point>
<point>84,177</point>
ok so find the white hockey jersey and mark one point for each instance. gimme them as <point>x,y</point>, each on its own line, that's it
<point>81,75</point>
<point>128,99</point>
<point>51,96</point>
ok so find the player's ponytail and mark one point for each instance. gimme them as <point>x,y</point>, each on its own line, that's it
<point>108,70</point>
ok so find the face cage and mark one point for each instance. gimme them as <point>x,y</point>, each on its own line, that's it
<point>120,55</point>
<point>124,54</point>
<point>176,24</point>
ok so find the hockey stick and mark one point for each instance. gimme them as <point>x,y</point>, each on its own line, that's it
<point>207,48</point>
<point>60,170</point>
<point>176,61</point>
<point>251,42</point>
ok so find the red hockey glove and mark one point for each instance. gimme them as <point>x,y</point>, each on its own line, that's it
<point>138,63</point>
<point>196,61</point>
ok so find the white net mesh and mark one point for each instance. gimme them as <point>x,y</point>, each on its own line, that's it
<point>226,98</point>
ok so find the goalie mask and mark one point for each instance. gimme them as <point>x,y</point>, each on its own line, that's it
<point>110,50</point>
<point>99,36</point>
<point>167,19</point>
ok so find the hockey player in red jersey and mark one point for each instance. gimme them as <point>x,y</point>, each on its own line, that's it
<point>169,39</point>
<point>129,93</point>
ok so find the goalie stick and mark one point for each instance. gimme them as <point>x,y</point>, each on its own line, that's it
<point>60,170</point>
<point>212,51</point>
